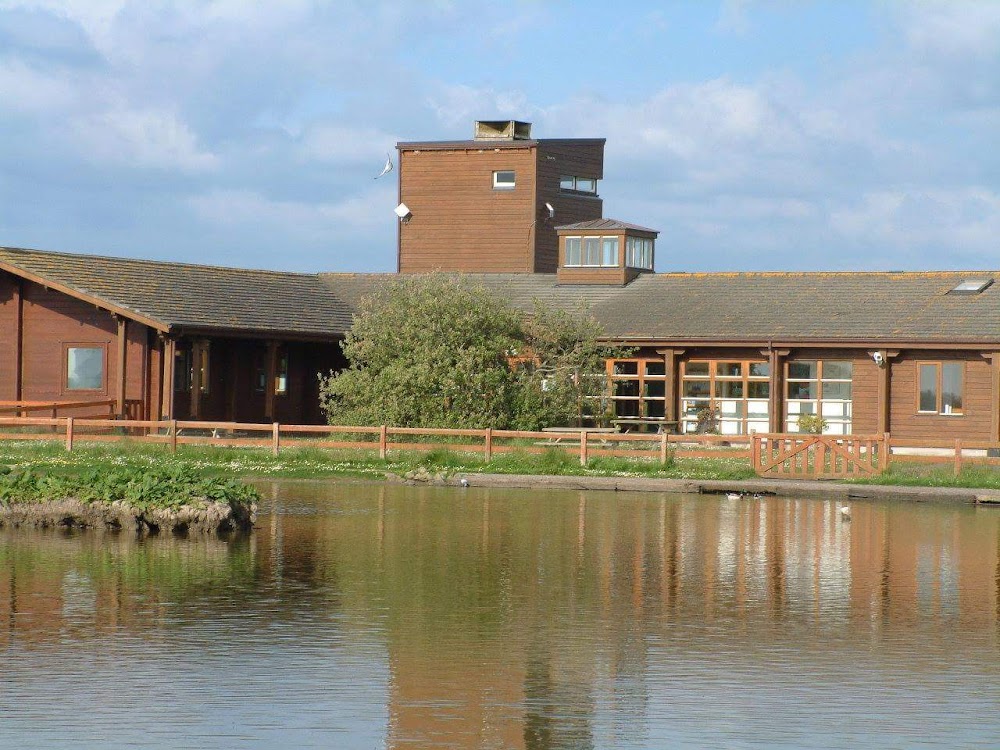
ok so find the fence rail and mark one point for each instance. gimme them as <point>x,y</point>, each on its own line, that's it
<point>583,443</point>
<point>793,455</point>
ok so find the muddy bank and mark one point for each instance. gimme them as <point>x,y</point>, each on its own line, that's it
<point>198,518</point>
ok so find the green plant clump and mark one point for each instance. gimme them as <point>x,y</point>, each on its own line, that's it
<point>169,487</point>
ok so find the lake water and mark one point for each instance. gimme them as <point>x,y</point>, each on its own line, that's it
<point>371,616</point>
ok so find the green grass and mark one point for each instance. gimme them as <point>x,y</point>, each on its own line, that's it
<point>905,474</point>
<point>306,462</point>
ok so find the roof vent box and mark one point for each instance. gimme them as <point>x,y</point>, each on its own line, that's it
<point>502,130</point>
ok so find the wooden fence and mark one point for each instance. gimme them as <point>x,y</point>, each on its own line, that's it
<point>26,408</point>
<point>798,456</point>
<point>787,456</point>
<point>585,444</point>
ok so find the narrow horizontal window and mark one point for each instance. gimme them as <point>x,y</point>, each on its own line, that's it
<point>504,180</point>
<point>567,183</point>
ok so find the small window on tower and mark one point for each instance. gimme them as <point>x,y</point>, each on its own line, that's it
<point>503,180</point>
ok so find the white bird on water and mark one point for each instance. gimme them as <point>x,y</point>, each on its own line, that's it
<point>464,482</point>
<point>734,495</point>
<point>845,512</point>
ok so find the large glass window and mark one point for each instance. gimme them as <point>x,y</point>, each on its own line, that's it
<point>821,388</point>
<point>638,388</point>
<point>639,252</point>
<point>729,396</point>
<point>597,252</point>
<point>941,387</point>
<point>85,368</point>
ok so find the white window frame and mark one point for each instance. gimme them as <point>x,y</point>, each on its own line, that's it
<point>498,185</point>
<point>582,251</point>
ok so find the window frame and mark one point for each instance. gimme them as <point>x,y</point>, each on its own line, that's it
<point>820,398</point>
<point>939,386</point>
<point>103,346</point>
<point>641,377</point>
<point>582,250</point>
<point>714,378</point>
<point>504,186</point>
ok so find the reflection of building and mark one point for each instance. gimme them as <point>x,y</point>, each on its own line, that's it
<point>522,216</point>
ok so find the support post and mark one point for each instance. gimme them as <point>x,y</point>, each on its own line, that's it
<point>776,401</point>
<point>664,448</point>
<point>383,441</point>
<point>196,349</point>
<point>121,360</point>
<point>886,451</point>
<point>488,444</point>
<point>18,340</point>
<point>275,438</point>
<point>671,357</point>
<point>583,447</point>
<point>272,374</point>
<point>169,362</point>
<point>958,456</point>
<point>69,433</point>
<point>994,360</point>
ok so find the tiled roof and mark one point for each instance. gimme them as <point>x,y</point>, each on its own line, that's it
<point>758,307</point>
<point>605,224</point>
<point>863,308</point>
<point>192,296</point>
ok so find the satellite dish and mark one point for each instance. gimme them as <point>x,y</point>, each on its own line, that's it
<point>551,209</point>
<point>403,211</point>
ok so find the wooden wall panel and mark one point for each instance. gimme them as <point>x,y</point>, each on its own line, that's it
<point>557,158</point>
<point>973,424</point>
<point>459,222</point>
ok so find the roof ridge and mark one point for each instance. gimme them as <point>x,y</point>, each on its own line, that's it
<point>152,261</point>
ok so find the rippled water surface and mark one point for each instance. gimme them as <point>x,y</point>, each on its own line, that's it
<point>370,616</point>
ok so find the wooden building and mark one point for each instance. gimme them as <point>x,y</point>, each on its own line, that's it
<point>917,354</point>
<point>165,339</point>
<point>492,204</point>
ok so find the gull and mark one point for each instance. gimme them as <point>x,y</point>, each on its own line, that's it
<point>734,495</point>
<point>387,168</point>
<point>845,513</point>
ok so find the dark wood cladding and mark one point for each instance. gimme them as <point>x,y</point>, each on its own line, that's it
<point>460,222</point>
<point>555,159</point>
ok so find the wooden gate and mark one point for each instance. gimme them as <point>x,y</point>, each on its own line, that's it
<point>799,456</point>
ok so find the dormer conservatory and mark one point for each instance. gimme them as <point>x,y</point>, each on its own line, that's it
<point>604,251</point>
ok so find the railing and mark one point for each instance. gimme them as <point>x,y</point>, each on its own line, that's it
<point>25,408</point>
<point>584,443</point>
<point>799,456</point>
<point>790,456</point>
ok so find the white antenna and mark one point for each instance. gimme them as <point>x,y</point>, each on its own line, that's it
<point>387,168</point>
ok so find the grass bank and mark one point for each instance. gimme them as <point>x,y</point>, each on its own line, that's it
<point>304,462</point>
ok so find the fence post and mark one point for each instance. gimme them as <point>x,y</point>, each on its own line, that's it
<point>383,441</point>
<point>69,433</point>
<point>958,456</point>
<point>488,444</point>
<point>754,450</point>
<point>275,438</point>
<point>173,435</point>
<point>583,447</point>
<point>886,451</point>
<point>663,448</point>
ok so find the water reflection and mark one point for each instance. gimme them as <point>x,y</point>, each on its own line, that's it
<point>429,617</point>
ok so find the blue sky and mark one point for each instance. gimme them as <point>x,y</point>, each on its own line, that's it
<point>754,135</point>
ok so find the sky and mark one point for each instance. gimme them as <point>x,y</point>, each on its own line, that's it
<point>772,135</point>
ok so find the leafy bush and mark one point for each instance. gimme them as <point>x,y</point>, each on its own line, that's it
<point>812,423</point>
<point>439,351</point>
